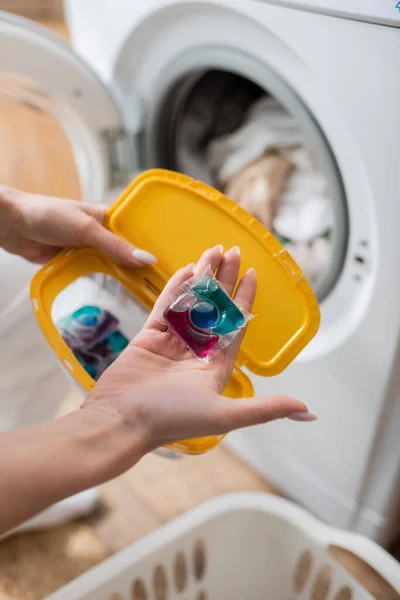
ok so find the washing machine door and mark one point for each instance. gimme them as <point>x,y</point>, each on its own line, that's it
<point>40,71</point>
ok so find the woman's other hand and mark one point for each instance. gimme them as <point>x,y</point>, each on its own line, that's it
<point>38,227</point>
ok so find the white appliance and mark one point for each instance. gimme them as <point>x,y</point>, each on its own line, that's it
<point>333,66</point>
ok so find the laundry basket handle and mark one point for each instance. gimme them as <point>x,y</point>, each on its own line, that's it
<point>372,554</point>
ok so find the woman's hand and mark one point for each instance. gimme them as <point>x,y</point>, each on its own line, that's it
<point>161,393</point>
<point>37,227</point>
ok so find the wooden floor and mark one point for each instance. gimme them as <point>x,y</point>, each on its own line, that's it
<point>36,157</point>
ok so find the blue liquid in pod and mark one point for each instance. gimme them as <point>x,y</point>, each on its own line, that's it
<point>88,315</point>
<point>204,315</point>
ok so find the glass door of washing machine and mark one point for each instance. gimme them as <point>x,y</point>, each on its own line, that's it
<point>62,130</point>
<point>63,133</point>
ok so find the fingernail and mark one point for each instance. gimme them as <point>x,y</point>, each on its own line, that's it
<point>144,257</point>
<point>251,271</point>
<point>235,249</point>
<point>302,417</point>
<point>191,266</point>
<point>220,248</point>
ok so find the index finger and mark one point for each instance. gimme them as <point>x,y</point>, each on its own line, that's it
<point>94,233</point>
<point>246,290</point>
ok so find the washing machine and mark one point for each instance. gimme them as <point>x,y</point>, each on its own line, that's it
<point>121,95</point>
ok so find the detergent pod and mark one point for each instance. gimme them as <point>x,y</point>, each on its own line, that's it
<point>93,335</point>
<point>203,316</point>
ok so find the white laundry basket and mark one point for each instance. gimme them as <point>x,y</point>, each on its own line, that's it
<point>243,546</point>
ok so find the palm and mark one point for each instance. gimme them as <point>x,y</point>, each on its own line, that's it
<point>172,358</point>
<point>175,393</point>
<point>158,385</point>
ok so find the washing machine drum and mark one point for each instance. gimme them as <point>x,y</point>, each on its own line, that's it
<point>226,130</point>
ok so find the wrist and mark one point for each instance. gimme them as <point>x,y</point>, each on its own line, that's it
<point>108,444</point>
<point>42,464</point>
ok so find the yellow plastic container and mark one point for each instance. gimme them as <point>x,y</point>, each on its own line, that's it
<point>177,218</point>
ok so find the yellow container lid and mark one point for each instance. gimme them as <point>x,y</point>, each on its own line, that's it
<point>176,218</point>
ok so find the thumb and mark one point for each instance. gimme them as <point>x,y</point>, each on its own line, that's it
<point>262,409</point>
<point>117,248</point>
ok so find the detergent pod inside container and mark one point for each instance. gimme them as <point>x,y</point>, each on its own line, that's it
<point>89,307</point>
<point>96,317</point>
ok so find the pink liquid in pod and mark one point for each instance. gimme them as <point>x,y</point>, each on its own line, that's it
<point>177,317</point>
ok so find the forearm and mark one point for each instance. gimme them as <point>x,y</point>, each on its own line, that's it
<point>45,463</point>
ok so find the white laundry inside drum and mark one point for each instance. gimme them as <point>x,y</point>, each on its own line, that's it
<point>227,131</point>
